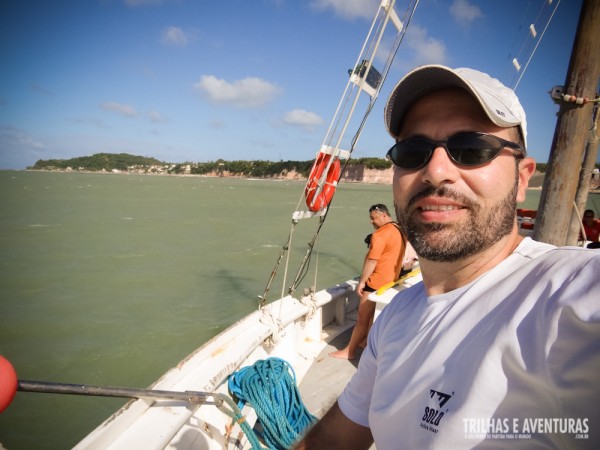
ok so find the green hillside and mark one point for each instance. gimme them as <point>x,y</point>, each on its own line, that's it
<point>97,162</point>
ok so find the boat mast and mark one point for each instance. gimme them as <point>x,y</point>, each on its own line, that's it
<point>363,78</point>
<point>571,134</point>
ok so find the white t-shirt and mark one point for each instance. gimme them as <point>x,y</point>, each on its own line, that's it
<point>491,364</point>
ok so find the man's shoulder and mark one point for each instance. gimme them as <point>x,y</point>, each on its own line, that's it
<point>548,260</point>
<point>533,250</point>
<point>556,276</point>
<point>388,227</point>
<point>389,230</point>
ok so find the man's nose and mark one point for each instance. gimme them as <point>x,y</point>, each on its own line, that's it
<point>440,169</point>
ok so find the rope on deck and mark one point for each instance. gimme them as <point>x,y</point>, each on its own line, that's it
<point>269,386</point>
<point>228,406</point>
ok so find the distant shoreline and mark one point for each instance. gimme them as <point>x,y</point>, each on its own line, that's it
<point>537,179</point>
<point>368,179</point>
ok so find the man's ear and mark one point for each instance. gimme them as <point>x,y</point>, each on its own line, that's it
<point>526,170</point>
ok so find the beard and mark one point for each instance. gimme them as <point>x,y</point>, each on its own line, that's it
<point>449,242</point>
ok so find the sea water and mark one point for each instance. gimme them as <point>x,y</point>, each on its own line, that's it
<point>111,279</point>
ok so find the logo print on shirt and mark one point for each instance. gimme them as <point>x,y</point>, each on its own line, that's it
<point>442,398</point>
<point>433,415</point>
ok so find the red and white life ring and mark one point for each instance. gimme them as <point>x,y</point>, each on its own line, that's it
<point>318,199</point>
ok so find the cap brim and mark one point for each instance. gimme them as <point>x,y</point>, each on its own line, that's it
<point>426,79</point>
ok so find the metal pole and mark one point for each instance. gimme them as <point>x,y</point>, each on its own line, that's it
<point>108,391</point>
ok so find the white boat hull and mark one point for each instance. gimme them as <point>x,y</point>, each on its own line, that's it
<point>291,329</point>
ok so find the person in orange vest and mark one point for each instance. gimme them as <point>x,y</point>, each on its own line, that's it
<point>383,263</point>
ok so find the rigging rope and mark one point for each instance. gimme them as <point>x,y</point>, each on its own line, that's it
<point>228,407</point>
<point>537,43</point>
<point>269,386</point>
<point>334,135</point>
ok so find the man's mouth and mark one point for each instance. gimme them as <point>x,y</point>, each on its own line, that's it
<point>440,207</point>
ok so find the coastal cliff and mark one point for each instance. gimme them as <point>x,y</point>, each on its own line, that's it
<point>352,174</point>
<point>360,173</point>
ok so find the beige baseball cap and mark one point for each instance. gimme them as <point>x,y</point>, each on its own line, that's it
<point>499,102</point>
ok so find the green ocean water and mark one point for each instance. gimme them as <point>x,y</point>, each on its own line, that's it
<point>113,279</point>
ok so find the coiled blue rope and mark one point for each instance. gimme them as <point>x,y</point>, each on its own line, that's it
<point>269,385</point>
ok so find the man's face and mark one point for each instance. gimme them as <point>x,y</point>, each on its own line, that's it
<point>450,212</point>
<point>378,219</point>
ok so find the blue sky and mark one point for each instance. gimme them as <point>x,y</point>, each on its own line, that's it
<point>192,80</point>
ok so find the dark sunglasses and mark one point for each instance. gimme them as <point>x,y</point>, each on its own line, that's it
<point>464,149</point>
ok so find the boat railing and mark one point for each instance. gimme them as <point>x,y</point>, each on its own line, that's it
<point>291,329</point>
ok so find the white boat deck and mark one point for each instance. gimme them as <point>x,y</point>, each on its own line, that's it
<point>327,377</point>
<point>288,328</point>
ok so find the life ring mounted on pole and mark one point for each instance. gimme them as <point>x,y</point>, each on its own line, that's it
<point>318,193</point>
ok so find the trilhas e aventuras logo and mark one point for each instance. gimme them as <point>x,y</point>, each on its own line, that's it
<point>524,428</point>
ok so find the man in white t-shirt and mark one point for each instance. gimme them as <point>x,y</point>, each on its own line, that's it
<point>499,346</point>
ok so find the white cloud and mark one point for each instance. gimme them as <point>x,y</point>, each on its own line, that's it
<point>302,118</point>
<point>464,12</point>
<point>249,92</point>
<point>156,117</point>
<point>427,50</point>
<point>349,9</point>
<point>124,110</point>
<point>93,121</point>
<point>217,124</point>
<point>174,36</point>
<point>19,148</point>
<point>19,137</point>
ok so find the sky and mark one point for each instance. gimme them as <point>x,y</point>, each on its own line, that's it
<point>198,81</point>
